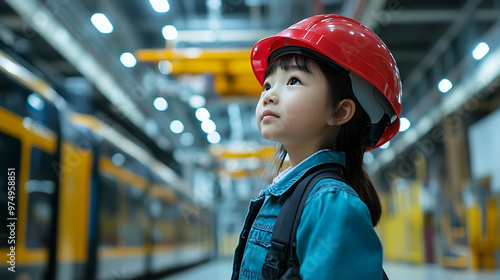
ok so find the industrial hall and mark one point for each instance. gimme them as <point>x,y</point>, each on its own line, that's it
<point>249,139</point>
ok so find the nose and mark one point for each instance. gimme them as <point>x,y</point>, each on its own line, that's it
<point>270,96</point>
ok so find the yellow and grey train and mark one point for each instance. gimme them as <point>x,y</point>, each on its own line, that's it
<point>86,201</point>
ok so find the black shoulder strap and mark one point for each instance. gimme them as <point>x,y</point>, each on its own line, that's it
<point>286,224</point>
<point>282,256</point>
<point>294,205</point>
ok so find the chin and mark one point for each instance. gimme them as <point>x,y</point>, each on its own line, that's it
<point>269,135</point>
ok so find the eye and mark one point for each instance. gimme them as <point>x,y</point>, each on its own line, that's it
<point>294,81</point>
<point>267,86</point>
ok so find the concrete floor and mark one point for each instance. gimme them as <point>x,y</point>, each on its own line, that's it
<point>221,270</point>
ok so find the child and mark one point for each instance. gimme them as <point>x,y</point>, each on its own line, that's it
<point>331,91</point>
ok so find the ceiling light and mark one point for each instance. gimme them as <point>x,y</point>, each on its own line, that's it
<point>445,85</point>
<point>186,139</point>
<point>118,159</point>
<point>160,104</point>
<point>151,127</point>
<point>213,137</point>
<point>176,126</point>
<point>101,22</point>
<point>161,6</point>
<point>197,101</point>
<point>368,158</point>
<point>480,51</point>
<point>386,145</point>
<point>128,59</point>
<point>202,114</point>
<point>193,53</point>
<point>208,126</point>
<point>165,67</point>
<point>169,32</point>
<point>404,124</point>
<point>36,102</point>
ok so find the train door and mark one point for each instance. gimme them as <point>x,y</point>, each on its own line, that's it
<point>29,148</point>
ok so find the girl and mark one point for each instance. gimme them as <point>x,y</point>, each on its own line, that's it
<point>331,91</point>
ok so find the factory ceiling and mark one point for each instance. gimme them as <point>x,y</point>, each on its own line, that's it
<point>209,57</point>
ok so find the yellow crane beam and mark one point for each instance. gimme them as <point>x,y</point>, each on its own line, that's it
<point>231,68</point>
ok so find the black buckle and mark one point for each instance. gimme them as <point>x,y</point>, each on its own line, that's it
<point>271,269</point>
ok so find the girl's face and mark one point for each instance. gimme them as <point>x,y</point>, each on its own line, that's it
<point>293,108</point>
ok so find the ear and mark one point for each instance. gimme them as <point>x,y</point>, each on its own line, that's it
<point>344,112</point>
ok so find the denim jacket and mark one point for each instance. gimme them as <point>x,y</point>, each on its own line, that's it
<point>335,237</point>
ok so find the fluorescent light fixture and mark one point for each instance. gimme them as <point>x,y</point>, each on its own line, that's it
<point>386,145</point>
<point>202,114</point>
<point>101,22</point>
<point>208,126</point>
<point>169,32</point>
<point>368,158</point>
<point>165,67</point>
<point>176,126</point>
<point>186,139</point>
<point>161,6</point>
<point>36,102</point>
<point>128,59</point>
<point>213,137</point>
<point>118,159</point>
<point>151,128</point>
<point>480,51</point>
<point>197,101</point>
<point>160,104</point>
<point>404,124</point>
<point>445,85</point>
<point>193,53</point>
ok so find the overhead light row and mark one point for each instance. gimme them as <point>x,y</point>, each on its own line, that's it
<point>169,32</point>
<point>478,53</point>
<point>202,114</point>
<point>207,125</point>
<point>104,25</point>
<point>444,86</point>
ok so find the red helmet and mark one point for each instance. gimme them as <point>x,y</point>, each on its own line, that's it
<point>349,44</point>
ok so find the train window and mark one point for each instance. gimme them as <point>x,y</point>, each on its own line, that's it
<point>41,188</point>
<point>136,217</point>
<point>109,198</point>
<point>26,103</point>
<point>12,95</point>
<point>10,149</point>
<point>164,231</point>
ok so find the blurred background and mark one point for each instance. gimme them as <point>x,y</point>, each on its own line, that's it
<point>130,129</point>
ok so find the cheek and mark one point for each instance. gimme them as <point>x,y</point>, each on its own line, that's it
<point>298,110</point>
<point>305,114</point>
<point>294,110</point>
<point>258,110</point>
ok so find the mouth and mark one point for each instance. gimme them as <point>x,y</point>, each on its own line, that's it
<point>268,115</point>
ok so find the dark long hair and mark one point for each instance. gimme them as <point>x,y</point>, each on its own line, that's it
<point>348,138</point>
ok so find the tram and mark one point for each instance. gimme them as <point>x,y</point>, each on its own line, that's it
<point>89,201</point>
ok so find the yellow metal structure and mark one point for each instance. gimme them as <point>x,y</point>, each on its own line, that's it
<point>231,68</point>
<point>483,243</point>
<point>74,207</point>
<point>30,134</point>
<point>401,228</point>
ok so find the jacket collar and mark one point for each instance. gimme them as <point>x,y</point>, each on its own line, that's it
<point>321,157</point>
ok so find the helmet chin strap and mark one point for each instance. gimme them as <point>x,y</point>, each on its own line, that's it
<point>373,132</point>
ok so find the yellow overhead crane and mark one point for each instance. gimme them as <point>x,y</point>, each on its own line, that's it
<point>231,68</point>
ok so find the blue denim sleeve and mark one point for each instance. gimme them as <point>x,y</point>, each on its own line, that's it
<point>336,239</point>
